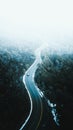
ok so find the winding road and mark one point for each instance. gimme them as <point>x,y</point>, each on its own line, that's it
<point>34,118</point>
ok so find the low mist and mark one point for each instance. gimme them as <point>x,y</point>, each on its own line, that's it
<point>33,23</point>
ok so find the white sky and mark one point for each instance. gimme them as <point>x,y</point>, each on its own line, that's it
<point>36,19</point>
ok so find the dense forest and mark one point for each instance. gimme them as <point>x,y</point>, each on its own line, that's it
<point>14,100</point>
<point>54,76</point>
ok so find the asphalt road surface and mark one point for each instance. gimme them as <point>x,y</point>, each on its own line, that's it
<point>34,118</point>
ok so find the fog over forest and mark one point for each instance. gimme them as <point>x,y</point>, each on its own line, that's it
<point>36,22</point>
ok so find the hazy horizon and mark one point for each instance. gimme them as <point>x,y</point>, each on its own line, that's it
<point>42,21</point>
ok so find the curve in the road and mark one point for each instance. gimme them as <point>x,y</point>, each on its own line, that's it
<point>34,118</point>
